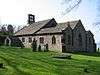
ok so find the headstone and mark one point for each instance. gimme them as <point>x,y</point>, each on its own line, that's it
<point>47,49</point>
<point>44,48</point>
<point>63,56</point>
<point>98,49</point>
<point>1,65</point>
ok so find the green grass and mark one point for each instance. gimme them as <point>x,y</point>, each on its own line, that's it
<point>25,62</point>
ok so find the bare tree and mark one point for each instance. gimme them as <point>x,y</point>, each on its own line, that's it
<point>17,28</point>
<point>70,5</point>
<point>97,21</point>
<point>3,28</point>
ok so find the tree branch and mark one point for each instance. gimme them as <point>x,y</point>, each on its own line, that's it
<point>70,5</point>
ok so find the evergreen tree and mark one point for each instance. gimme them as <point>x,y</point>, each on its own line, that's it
<point>34,45</point>
<point>39,48</point>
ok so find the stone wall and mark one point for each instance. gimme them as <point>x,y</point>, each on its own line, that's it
<point>91,46</point>
<point>76,44</point>
<point>79,40</point>
<point>77,32</point>
<point>47,40</point>
<point>26,43</point>
<point>67,34</point>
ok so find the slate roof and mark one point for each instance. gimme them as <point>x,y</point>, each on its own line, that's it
<point>38,26</point>
<point>58,28</point>
<point>32,28</point>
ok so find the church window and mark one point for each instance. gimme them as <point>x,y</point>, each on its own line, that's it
<point>31,18</point>
<point>53,40</point>
<point>30,39</point>
<point>41,40</point>
<point>80,39</point>
<point>23,39</point>
<point>69,40</point>
<point>89,40</point>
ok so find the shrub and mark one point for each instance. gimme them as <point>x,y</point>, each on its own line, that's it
<point>46,48</point>
<point>34,45</point>
<point>1,65</point>
<point>39,48</point>
<point>86,70</point>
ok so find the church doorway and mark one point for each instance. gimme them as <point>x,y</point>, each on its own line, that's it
<point>63,48</point>
<point>63,44</point>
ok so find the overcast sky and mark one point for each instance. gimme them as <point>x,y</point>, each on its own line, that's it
<point>15,12</point>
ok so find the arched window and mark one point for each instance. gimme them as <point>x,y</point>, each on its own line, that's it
<point>53,40</point>
<point>69,40</point>
<point>41,40</point>
<point>80,39</point>
<point>89,40</point>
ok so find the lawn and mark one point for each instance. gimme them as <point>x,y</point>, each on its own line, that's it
<point>19,61</point>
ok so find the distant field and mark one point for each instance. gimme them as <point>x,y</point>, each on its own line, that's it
<point>25,62</point>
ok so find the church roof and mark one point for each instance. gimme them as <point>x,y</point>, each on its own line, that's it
<point>38,27</point>
<point>32,28</point>
<point>89,33</point>
<point>58,28</point>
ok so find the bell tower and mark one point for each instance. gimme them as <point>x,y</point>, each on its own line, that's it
<point>31,18</point>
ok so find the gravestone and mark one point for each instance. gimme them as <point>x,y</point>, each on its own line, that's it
<point>1,65</point>
<point>63,56</point>
<point>46,48</point>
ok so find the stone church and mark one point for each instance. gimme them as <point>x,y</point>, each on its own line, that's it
<point>61,37</point>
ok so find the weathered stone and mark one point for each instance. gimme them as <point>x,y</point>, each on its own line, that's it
<point>75,37</point>
<point>63,56</point>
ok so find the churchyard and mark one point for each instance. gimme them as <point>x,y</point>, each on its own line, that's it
<point>17,61</point>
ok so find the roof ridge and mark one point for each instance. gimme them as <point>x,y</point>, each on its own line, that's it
<point>36,26</point>
<point>42,20</point>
